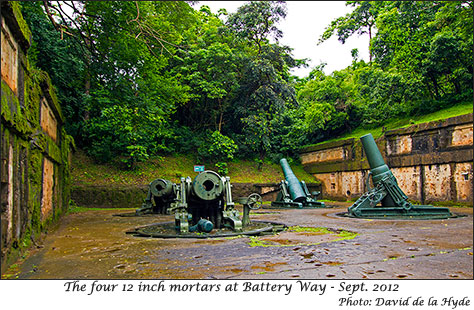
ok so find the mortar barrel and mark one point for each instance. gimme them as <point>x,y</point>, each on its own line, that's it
<point>161,188</point>
<point>208,186</point>
<point>378,168</point>
<point>295,190</point>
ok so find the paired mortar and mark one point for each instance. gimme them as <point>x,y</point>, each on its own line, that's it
<point>201,206</point>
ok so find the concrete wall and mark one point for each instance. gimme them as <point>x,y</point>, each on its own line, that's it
<point>34,146</point>
<point>432,162</point>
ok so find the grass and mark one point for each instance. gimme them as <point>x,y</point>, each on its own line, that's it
<point>255,241</point>
<point>85,171</point>
<point>77,209</point>
<point>457,110</point>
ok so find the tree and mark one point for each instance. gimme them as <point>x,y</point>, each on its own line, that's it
<point>265,90</point>
<point>125,49</point>
<point>421,61</point>
<point>264,93</point>
<point>209,68</point>
<point>256,21</point>
<point>131,69</point>
<point>360,21</point>
<point>328,102</point>
<point>428,43</point>
<point>384,94</point>
<point>64,62</point>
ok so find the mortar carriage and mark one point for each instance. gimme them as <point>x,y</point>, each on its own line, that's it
<point>203,205</point>
<point>293,193</point>
<point>386,199</point>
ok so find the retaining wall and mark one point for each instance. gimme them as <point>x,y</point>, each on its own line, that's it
<point>431,161</point>
<point>35,150</point>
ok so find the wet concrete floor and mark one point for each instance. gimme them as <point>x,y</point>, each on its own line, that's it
<point>93,245</point>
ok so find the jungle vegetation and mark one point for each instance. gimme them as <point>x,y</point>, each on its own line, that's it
<point>145,79</point>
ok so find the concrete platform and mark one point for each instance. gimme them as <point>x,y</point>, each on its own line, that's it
<point>94,245</point>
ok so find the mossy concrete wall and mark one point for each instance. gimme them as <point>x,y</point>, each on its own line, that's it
<point>431,161</point>
<point>34,145</point>
<point>102,196</point>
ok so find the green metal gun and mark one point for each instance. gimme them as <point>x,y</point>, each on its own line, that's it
<point>198,206</point>
<point>293,193</point>
<point>208,197</point>
<point>162,193</point>
<point>202,225</point>
<point>393,201</point>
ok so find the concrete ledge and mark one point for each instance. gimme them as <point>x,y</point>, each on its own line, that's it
<point>454,156</point>
<point>324,146</point>
<point>452,121</point>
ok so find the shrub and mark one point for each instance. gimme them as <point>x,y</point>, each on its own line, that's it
<point>217,147</point>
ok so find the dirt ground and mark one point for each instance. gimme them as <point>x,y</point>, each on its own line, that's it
<point>93,245</point>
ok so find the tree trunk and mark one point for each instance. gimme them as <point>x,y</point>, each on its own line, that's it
<point>260,163</point>
<point>370,40</point>
<point>220,116</point>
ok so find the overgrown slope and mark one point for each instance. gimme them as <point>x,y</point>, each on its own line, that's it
<point>85,171</point>
<point>406,122</point>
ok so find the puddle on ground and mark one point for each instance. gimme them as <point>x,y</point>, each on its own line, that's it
<point>268,266</point>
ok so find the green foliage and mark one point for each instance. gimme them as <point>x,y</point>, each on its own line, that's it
<point>382,95</point>
<point>209,72</point>
<point>328,102</point>
<point>422,63</point>
<point>216,148</point>
<point>360,21</point>
<point>111,71</point>
<point>429,43</point>
<point>125,133</point>
<point>263,96</point>
<point>63,60</point>
<point>406,121</point>
<point>138,80</point>
<point>288,135</point>
<point>183,140</point>
<point>222,168</point>
<point>171,167</point>
<point>256,21</point>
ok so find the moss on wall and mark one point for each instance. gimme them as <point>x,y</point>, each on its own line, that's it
<point>22,132</point>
